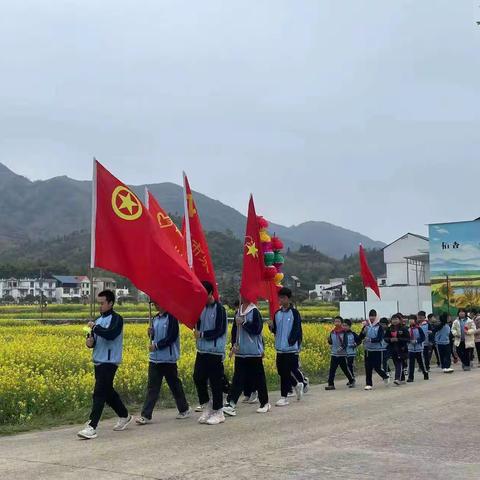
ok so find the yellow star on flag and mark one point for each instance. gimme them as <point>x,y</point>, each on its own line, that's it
<point>252,249</point>
<point>127,202</point>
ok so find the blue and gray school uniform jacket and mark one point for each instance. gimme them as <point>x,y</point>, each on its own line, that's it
<point>166,339</point>
<point>212,326</point>
<point>250,339</point>
<point>287,328</point>
<point>425,326</point>
<point>442,334</point>
<point>373,335</point>
<point>416,344</point>
<point>353,341</point>
<point>338,344</point>
<point>108,338</point>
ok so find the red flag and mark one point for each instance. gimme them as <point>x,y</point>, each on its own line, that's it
<point>368,278</point>
<point>165,222</point>
<point>198,254</point>
<point>126,240</point>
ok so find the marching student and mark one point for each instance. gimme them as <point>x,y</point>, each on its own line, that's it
<point>287,328</point>
<point>353,341</point>
<point>164,353</point>
<point>106,340</point>
<point>476,320</point>
<point>427,344</point>
<point>397,337</point>
<point>415,349</point>
<point>248,348</point>
<point>211,337</point>
<point>372,334</point>
<point>432,320</point>
<point>386,355</point>
<point>338,340</point>
<point>463,331</point>
<point>442,334</point>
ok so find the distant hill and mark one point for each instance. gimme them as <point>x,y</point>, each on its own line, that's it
<point>59,206</point>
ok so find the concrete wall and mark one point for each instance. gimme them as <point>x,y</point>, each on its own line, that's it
<point>410,299</point>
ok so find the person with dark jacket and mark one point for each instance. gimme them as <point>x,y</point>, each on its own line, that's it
<point>106,340</point>
<point>338,341</point>
<point>211,336</point>
<point>415,349</point>
<point>164,353</point>
<point>248,348</point>
<point>287,328</point>
<point>397,338</point>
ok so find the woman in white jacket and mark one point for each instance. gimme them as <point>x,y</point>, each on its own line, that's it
<point>463,331</point>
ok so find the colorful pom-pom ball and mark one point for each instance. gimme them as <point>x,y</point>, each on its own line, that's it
<point>279,258</point>
<point>265,237</point>
<point>277,244</point>
<point>270,273</point>
<point>279,277</point>
<point>269,258</point>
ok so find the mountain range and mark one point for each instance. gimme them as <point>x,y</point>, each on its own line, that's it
<point>46,209</point>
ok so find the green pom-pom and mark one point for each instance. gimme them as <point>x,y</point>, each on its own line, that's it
<point>269,258</point>
<point>278,258</point>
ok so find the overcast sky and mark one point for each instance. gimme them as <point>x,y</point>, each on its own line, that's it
<point>365,114</point>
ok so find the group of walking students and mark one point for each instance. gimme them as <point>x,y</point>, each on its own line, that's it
<point>403,340</point>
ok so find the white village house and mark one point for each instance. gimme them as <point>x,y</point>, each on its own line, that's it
<point>406,286</point>
<point>333,291</point>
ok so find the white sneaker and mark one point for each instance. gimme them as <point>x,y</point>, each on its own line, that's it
<point>122,423</point>
<point>199,408</point>
<point>253,398</point>
<point>386,381</point>
<point>142,421</point>
<point>306,385</point>
<point>183,415</point>
<point>448,370</point>
<point>246,399</point>
<point>230,410</point>
<point>368,387</point>
<point>88,433</point>
<point>299,390</point>
<point>291,394</point>
<point>207,411</point>
<point>265,409</point>
<point>283,402</point>
<point>216,418</point>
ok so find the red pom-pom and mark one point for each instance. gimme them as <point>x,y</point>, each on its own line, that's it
<point>270,273</point>
<point>262,223</point>
<point>277,244</point>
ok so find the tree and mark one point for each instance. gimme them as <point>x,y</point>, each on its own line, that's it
<point>355,288</point>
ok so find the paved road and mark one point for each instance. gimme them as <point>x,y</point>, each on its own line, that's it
<point>421,430</point>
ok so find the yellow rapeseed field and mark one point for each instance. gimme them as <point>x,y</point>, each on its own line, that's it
<point>46,370</point>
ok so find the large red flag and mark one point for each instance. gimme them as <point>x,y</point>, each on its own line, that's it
<point>165,222</point>
<point>253,286</point>
<point>368,278</point>
<point>198,254</point>
<point>126,240</point>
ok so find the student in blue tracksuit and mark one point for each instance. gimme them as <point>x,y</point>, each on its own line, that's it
<point>442,334</point>
<point>372,334</point>
<point>415,349</point>
<point>432,320</point>
<point>287,328</point>
<point>387,354</point>
<point>211,337</point>
<point>106,340</point>
<point>427,344</point>
<point>248,348</point>
<point>338,341</point>
<point>164,353</point>
<point>353,341</point>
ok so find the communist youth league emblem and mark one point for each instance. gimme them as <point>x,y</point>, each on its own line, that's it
<point>125,204</point>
